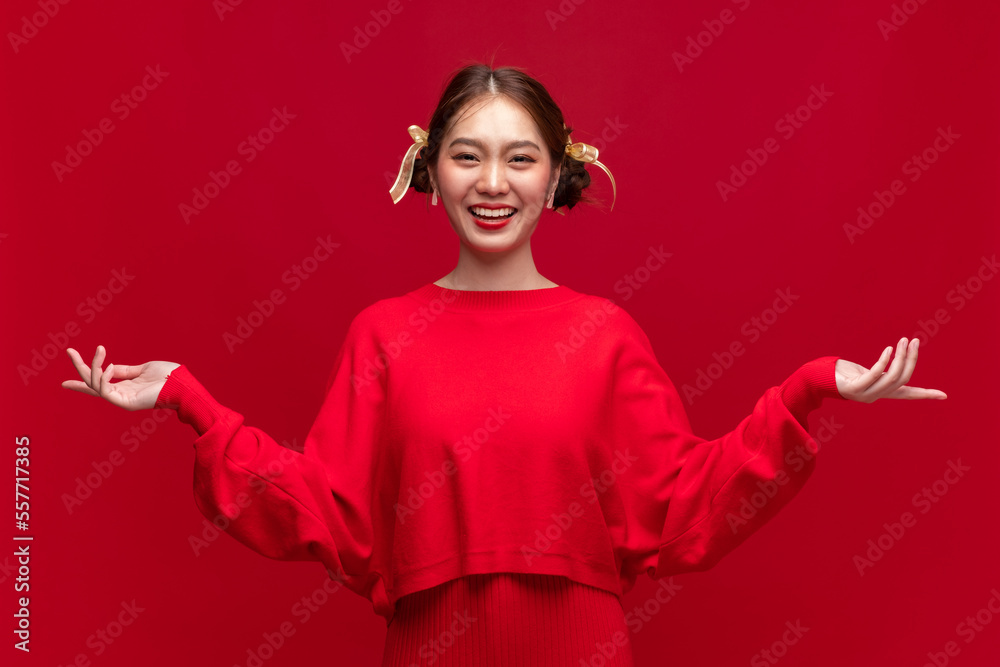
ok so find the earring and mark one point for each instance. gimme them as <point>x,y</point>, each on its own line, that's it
<point>434,198</point>
<point>552,196</point>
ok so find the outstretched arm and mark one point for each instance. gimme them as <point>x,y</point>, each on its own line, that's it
<point>273,499</point>
<point>692,500</point>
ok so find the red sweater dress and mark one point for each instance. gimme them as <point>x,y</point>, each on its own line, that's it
<point>477,450</point>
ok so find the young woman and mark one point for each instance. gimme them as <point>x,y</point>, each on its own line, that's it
<point>498,457</point>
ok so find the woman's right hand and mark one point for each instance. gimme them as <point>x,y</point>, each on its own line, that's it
<point>139,386</point>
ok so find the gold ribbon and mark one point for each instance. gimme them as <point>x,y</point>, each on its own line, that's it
<point>578,151</point>
<point>587,153</point>
<point>402,183</point>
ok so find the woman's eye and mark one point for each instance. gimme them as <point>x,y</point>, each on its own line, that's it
<point>468,157</point>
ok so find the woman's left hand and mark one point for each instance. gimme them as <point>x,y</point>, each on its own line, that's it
<point>858,383</point>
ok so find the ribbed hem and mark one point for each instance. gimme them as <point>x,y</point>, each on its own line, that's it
<point>528,299</point>
<point>805,389</point>
<point>496,560</point>
<point>189,397</point>
<point>510,619</point>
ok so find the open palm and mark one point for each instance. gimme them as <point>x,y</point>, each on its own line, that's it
<point>857,383</point>
<point>138,387</point>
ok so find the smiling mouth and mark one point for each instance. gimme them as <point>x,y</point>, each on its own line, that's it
<point>492,215</point>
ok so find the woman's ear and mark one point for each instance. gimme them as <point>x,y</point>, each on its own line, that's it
<point>554,183</point>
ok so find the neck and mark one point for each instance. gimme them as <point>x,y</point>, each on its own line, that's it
<point>490,271</point>
<point>440,299</point>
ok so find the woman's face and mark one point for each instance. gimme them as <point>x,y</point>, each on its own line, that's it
<point>494,157</point>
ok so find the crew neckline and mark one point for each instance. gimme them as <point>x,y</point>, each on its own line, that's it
<point>525,299</point>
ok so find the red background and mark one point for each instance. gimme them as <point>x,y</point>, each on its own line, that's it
<point>678,131</point>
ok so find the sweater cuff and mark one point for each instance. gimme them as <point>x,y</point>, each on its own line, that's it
<point>805,389</point>
<point>194,405</point>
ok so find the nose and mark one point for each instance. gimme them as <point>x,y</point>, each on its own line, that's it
<point>493,179</point>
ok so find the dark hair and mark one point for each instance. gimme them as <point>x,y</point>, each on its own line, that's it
<point>479,80</point>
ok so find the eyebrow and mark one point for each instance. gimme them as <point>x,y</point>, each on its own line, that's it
<point>522,143</point>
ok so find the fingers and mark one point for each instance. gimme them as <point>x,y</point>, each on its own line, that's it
<point>82,387</point>
<point>79,364</point>
<point>875,372</point>
<point>876,382</point>
<point>890,380</point>
<point>105,388</point>
<point>126,372</point>
<point>911,362</point>
<point>96,382</point>
<point>83,370</point>
<point>918,393</point>
<point>893,383</point>
<point>95,369</point>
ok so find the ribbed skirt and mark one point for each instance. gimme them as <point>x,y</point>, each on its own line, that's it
<point>508,619</point>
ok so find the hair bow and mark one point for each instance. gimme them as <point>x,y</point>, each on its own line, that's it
<point>402,183</point>
<point>587,153</point>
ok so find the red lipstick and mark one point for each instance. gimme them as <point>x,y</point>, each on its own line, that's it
<point>490,225</point>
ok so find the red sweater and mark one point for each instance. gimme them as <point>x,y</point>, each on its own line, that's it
<point>467,432</point>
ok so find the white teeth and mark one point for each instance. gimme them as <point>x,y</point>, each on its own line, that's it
<point>491,212</point>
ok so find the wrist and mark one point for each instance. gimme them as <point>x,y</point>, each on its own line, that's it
<point>195,405</point>
<point>806,388</point>
<point>170,393</point>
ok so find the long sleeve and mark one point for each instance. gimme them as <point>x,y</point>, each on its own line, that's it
<point>690,501</point>
<point>281,503</point>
